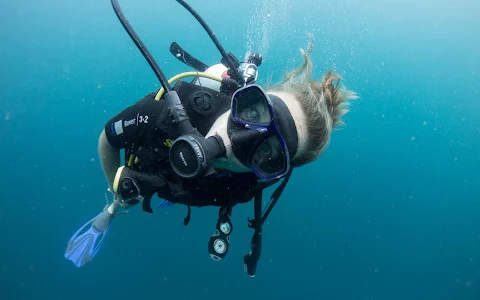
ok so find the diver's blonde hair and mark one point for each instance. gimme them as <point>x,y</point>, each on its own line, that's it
<point>323,102</point>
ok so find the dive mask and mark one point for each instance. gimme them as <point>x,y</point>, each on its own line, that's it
<point>262,132</point>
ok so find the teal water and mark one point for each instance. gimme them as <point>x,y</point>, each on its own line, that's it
<point>391,211</point>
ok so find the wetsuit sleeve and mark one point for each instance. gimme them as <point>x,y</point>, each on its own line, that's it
<point>132,124</point>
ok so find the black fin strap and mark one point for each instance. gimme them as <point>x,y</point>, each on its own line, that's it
<point>186,220</point>
<point>276,195</point>
<point>186,58</point>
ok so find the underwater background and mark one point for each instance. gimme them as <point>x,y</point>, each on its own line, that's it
<point>390,211</point>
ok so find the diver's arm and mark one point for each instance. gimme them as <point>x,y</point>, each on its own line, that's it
<point>130,128</point>
<point>109,159</point>
<point>124,130</point>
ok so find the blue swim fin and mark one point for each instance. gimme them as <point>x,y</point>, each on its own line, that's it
<point>164,203</point>
<point>86,242</point>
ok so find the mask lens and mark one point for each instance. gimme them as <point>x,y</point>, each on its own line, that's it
<point>250,105</point>
<point>269,158</point>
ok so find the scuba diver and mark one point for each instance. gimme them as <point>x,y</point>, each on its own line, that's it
<point>217,140</point>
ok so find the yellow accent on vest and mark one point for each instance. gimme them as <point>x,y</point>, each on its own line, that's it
<point>168,143</point>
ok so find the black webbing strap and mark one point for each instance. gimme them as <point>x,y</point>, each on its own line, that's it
<point>276,195</point>
<point>251,259</point>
